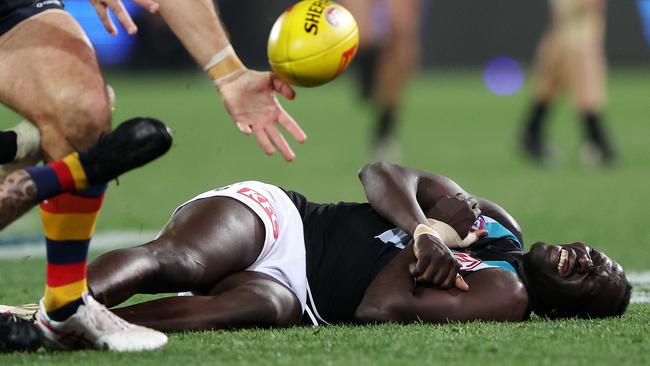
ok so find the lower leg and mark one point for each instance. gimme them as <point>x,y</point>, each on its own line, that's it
<point>116,276</point>
<point>17,196</point>
<point>252,300</point>
<point>599,143</point>
<point>533,134</point>
<point>396,64</point>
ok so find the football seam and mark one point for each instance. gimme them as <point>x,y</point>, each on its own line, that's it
<point>354,31</point>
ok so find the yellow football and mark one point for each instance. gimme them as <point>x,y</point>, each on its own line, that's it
<point>312,42</point>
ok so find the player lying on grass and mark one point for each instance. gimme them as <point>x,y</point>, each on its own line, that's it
<point>255,255</point>
<point>130,145</point>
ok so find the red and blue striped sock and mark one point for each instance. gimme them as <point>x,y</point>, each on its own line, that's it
<point>68,221</point>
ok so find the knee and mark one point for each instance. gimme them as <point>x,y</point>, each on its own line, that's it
<point>83,116</point>
<point>281,305</point>
<point>174,265</point>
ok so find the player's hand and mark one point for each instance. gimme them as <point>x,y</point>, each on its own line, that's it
<point>459,211</point>
<point>250,99</point>
<point>116,6</point>
<point>436,264</point>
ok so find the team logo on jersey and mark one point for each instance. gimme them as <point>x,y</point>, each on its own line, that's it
<point>40,4</point>
<point>265,205</point>
<point>479,224</point>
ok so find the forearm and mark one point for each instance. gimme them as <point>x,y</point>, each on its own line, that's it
<point>392,192</point>
<point>196,24</point>
<point>403,195</point>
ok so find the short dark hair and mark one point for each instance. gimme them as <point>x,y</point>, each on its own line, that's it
<point>615,311</point>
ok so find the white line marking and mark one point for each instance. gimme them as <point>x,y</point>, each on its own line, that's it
<point>641,289</point>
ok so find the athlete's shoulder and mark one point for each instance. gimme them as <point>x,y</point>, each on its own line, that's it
<point>500,215</point>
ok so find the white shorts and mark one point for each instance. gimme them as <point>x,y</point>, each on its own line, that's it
<point>283,254</point>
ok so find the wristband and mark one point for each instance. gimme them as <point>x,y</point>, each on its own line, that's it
<point>223,64</point>
<point>423,229</point>
<point>450,237</point>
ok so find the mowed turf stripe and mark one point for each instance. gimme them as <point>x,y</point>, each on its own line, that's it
<point>31,246</point>
<point>21,247</point>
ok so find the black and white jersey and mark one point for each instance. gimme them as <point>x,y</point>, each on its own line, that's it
<point>348,244</point>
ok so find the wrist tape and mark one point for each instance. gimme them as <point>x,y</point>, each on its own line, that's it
<point>423,229</point>
<point>223,64</point>
<point>450,237</point>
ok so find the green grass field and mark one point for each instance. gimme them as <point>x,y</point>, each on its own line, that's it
<point>452,125</point>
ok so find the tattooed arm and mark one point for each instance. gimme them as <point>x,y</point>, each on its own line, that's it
<point>17,196</point>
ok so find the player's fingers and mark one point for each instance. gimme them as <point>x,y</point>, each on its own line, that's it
<point>421,266</point>
<point>244,128</point>
<point>102,12</point>
<point>439,276</point>
<point>123,16</point>
<point>429,275</point>
<point>481,233</point>
<point>291,125</point>
<point>280,142</point>
<point>461,284</point>
<point>263,140</point>
<point>150,5</point>
<point>449,280</point>
<point>283,88</point>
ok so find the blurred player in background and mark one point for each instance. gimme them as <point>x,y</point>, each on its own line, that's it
<point>571,56</point>
<point>389,53</point>
<point>49,74</point>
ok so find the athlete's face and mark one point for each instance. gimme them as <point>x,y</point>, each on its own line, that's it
<point>575,280</point>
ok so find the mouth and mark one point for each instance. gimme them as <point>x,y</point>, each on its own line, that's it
<point>564,261</point>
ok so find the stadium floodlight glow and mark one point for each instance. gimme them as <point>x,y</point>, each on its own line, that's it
<point>111,50</point>
<point>503,76</point>
<point>644,13</point>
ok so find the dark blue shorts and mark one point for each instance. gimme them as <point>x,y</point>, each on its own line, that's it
<point>13,12</point>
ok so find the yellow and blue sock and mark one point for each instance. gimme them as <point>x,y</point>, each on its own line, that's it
<point>69,221</point>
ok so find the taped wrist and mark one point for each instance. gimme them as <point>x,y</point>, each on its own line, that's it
<point>450,237</point>
<point>423,229</point>
<point>223,64</point>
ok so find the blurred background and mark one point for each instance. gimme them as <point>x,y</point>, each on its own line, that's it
<point>461,114</point>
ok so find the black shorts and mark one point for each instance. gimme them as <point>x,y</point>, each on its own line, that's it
<point>13,12</point>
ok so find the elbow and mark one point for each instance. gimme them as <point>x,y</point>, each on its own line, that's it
<point>373,169</point>
<point>383,312</point>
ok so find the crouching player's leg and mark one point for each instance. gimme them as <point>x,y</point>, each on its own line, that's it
<point>239,250</point>
<point>49,74</point>
<point>132,144</point>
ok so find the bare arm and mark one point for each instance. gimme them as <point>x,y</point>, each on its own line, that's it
<point>406,197</point>
<point>495,295</point>
<point>17,196</point>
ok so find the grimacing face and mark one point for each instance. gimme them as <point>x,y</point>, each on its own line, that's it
<point>575,280</point>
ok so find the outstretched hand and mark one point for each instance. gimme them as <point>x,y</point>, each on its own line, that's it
<point>117,7</point>
<point>250,99</point>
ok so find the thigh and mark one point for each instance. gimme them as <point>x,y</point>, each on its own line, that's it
<point>362,12</point>
<point>208,239</point>
<point>549,66</point>
<point>405,18</point>
<point>49,74</point>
